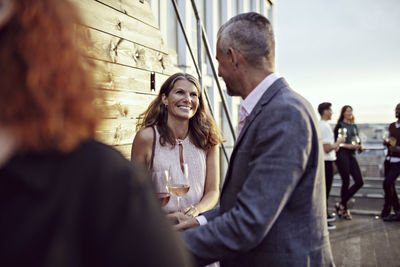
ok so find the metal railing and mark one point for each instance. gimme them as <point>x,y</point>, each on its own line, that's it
<point>202,39</point>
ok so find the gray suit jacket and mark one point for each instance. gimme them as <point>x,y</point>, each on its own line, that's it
<point>272,208</point>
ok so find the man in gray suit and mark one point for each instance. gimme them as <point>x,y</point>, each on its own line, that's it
<point>272,209</point>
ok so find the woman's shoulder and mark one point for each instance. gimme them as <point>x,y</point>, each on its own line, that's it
<point>338,125</point>
<point>145,136</point>
<point>343,124</point>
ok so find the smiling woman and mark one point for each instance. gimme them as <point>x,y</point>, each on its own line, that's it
<point>182,102</point>
<point>176,129</point>
<point>200,127</point>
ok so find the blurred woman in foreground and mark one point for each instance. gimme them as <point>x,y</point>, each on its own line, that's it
<point>65,199</point>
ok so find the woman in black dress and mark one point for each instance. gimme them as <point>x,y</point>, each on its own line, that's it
<point>346,161</point>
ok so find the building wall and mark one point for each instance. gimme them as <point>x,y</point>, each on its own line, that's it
<point>127,47</point>
<point>132,38</point>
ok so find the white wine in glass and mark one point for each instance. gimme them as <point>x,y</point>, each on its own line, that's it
<point>179,189</point>
<point>178,184</point>
<point>342,133</point>
<point>160,182</point>
<point>354,140</point>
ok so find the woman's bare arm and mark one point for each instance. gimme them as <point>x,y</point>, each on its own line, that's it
<point>142,146</point>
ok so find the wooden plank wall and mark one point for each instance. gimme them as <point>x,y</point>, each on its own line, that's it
<point>127,46</point>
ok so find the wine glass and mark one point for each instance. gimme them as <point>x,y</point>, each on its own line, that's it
<point>355,140</point>
<point>385,138</point>
<point>160,182</point>
<point>178,184</point>
<point>358,140</point>
<point>342,133</point>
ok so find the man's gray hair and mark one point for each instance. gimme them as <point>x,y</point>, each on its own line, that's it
<point>251,34</point>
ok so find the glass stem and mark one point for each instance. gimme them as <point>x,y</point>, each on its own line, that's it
<point>178,199</point>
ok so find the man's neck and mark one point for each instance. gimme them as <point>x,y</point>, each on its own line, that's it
<point>256,77</point>
<point>325,118</point>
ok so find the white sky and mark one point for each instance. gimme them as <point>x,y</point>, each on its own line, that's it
<point>343,52</point>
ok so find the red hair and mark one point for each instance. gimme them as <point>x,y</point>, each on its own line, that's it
<point>46,93</point>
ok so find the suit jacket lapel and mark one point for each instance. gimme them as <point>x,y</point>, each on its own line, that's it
<point>272,90</point>
<point>267,96</point>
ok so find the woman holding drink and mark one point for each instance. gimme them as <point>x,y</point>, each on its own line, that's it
<point>346,161</point>
<point>178,140</point>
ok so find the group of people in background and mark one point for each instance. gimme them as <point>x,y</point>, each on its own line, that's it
<point>340,146</point>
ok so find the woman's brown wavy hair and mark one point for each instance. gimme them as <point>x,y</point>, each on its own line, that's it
<point>203,131</point>
<point>342,111</point>
<point>46,92</point>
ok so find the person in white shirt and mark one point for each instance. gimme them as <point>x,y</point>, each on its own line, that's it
<point>330,147</point>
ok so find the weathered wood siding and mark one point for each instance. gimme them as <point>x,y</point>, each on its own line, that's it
<point>127,47</point>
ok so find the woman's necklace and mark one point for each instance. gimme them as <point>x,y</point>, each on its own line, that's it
<point>180,140</point>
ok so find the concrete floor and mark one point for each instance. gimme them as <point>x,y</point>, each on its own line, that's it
<point>366,241</point>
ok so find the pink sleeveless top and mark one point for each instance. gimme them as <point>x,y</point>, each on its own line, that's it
<point>165,156</point>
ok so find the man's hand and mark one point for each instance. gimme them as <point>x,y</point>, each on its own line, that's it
<point>191,223</point>
<point>181,221</point>
<point>340,140</point>
<point>191,211</point>
<point>177,217</point>
<point>386,142</point>
<point>339,143</point>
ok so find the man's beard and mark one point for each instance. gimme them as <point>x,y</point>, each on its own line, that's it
<point>229,90</point>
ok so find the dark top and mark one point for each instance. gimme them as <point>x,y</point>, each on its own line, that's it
<point>395,133</point>
<point>90,207</point>
<point>352,132</point>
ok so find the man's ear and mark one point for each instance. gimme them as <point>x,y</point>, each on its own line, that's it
<point>6,10</point>
<point>233,56</point>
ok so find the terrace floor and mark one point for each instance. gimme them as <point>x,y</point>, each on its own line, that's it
<point>366,241</point>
